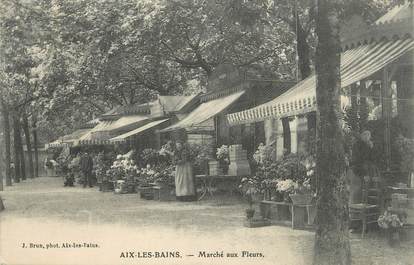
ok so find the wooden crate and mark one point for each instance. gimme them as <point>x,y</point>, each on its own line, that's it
<point>163,193</point>
<point>146,192</point>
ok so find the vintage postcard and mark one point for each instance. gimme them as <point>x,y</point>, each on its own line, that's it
<point>194,132</point>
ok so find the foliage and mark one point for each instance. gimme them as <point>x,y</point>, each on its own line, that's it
<point>406,150</point>
<point>149,156</point>
<point>167,149</point>
<point>102,163</point>
<point>199,154</point>
<point>67,61</point>
<point>222,154</point>
<point>390,220</point>
<point>123,168</point>
<point>200,35</point>
<point>63,161</point>
<point>49,164</point>
<point>292,173</point>
<point>377,129</point>
<point>164,174</point>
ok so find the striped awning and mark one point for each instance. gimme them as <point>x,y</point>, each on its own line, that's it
<point>68,139</point>
<point>125,136</point>
<point>108,129</point>
<point>205,111</point>
<point>356,64</point>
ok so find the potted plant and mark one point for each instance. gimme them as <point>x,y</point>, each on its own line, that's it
<point>200,155</point>
<point>265,169</point>
<point>50,165</point>
<point>223,158</point>
<point>295,174</point>
<point>301,193</point>
<point>251,188</point>
<point>392,222</point>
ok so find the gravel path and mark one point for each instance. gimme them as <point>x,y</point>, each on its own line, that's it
<point>41,211</point>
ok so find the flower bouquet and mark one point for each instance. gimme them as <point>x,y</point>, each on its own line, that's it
<point>392,223</point>
<point>124,168</point>
<point>223,157</point>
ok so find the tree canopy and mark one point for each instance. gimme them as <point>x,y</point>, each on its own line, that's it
<point>68,61</point>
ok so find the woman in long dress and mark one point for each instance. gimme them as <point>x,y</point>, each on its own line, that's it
<point>184,178</point>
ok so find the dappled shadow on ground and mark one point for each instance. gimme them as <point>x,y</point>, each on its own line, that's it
<point>43,211</point>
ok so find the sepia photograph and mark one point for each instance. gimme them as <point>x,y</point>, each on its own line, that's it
<point>192,132</point>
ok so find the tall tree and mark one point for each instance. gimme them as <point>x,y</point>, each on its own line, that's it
<point>331,237</point>
<point>200,35</point>
<point>26,130</point>
<point>35,147</point>
<point>6,135</point>
<point>16,149</point>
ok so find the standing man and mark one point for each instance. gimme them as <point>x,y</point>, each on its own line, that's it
<point>86,165</point>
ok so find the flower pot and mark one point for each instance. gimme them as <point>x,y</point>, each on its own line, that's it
<point>250,213</point>
<point>50,172</point>
<point>106,186</point>
<point>393,237</point>
<point>301,199</point>
<point>224,167</point>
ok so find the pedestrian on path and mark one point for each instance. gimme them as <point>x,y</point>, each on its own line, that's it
<point>86,165</point>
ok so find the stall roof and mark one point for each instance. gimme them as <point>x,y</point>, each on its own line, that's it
<point>397,13</point>
<point>356,64</point>
<point>123,137</point>
<point>69,138</point>
<point>205,111</point>
<point>75,135</point>
<point>125,123</point>
<point>104,129</point>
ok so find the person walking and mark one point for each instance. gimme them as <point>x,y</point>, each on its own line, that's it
<point>86,166</point>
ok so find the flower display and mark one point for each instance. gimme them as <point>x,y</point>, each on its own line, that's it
<point>291,174</point>
<point>286,185</point>
<point>166,149</point>
<point>223,154</point>
<point>389,220</point>
<point>264,154</point>
<point>149,156</point>
<point>123,167</point>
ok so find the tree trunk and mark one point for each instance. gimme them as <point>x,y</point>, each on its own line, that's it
<point>331,237</point>
<point>16,154</point>
<point>36,151</point>
<point>28,144</point>
<point>303,52</point>
<point>21,152</point>
<point>6,135</point>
